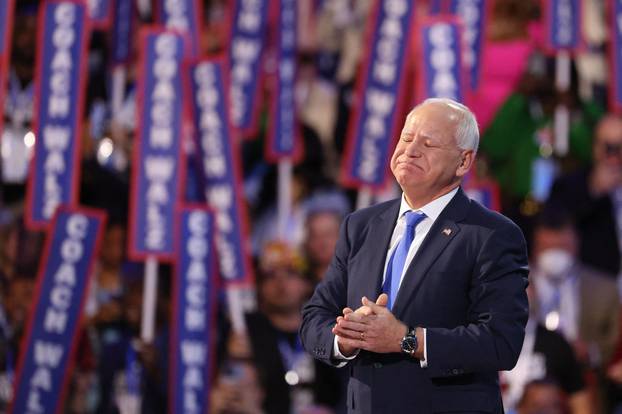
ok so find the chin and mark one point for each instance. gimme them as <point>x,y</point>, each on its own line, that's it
<point>409,173</point>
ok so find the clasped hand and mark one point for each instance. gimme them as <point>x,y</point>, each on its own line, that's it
<point>371,327</point>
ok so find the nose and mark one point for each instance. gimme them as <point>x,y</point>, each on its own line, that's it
<point>412,149</point>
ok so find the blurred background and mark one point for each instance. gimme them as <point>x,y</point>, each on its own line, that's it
<point>550,158</point>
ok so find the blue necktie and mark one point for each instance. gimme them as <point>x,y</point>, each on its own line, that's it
<point>398,258</point>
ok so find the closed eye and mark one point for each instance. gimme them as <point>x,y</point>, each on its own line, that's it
<point>430,144</point>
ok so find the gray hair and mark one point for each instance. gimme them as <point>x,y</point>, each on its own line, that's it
<point>467,131</point>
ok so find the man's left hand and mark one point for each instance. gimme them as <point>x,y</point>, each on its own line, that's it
<point>372,328</point>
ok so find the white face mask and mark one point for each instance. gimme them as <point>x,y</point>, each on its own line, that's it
<point>555,263</point>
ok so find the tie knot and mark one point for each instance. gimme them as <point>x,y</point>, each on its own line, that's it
<point>413,218</point>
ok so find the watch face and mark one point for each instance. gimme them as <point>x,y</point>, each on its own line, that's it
<point>409,344</point>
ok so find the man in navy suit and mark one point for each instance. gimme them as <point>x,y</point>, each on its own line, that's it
<point>449,276</point>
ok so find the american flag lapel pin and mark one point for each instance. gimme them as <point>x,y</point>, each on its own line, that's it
<point>447,232</point>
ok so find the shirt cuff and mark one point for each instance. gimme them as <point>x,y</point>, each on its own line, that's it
<point>339,356</point>
<point>424,362</point>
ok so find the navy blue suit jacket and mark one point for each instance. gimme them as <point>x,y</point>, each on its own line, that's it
<point>466,286</point>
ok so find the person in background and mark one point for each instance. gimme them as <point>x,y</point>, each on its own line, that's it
<point>18,104</point>
<point>546,355</point>
<point>16,299</point>
<point>133,374</point>
<point>236,388</point>
<point>518,142</point>
<point>311,190</point>
<point>286,371</point>
<point>542,397</point>
<point>511,39</point>
<point>322,232</point>
<point>572,297</point>
<point>106,291</point>
<point>593,196</point>
<point>20,248</point>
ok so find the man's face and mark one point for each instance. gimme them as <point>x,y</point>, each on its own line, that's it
<point>427,159</point>
<point>322,235</point>
<point>608,142</point>
<point>542,398</point>
<point>18,300</point>
<point>546,239</point>
<point>283,291</point>
<point>112,252</point>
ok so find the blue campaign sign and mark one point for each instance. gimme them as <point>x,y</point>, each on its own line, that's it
<point>183,16</point>
<point>193,306</point>
<point>63,280</point>
<point>6,24</point>
<point>100,12</point>
<point>60,78</point>
<point>248,36</point>
<point>473,14</point>
<point>379,94</point>
<point>563,24</point>
<point>156,171</point>
<point>283,136</point>
<point>442,74</point>
<point>220,165</point>
<point>615,55</point>
<point>121,36</point>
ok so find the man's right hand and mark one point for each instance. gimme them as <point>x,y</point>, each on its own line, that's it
<point>362,312</point>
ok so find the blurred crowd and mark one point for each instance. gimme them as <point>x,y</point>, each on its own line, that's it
<point>568,205</point>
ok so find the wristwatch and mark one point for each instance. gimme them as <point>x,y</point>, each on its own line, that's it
<point>409,342</point>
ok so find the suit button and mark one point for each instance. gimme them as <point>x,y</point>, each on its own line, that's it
<point>455,371</point>
<point>377,365</point>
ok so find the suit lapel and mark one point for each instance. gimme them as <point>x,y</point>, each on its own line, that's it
<point>372,263</point>
<point>440,235</point>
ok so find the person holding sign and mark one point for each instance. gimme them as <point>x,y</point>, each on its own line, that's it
<point>448,276</point>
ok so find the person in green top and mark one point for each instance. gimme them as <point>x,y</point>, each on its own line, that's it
<point>522,132</point>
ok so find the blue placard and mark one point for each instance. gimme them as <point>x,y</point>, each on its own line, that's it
<point>156,176</point>
<point>99,12</point>
<point>192,312</point>
<point>60,79</point>
<point>379,94</point>
<point>442,67</point>
<point>615,51</point>
<point>183,16</point>
<point>223,189</point>
<point>563,23</point>
<point>63,281</point>
<point>473,15</point>
<point>4,25</point>
<point>283,132</point>
<point>121,38</point>
<point>248,34</point>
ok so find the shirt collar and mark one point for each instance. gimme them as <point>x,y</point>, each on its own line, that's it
<point>433,209</point>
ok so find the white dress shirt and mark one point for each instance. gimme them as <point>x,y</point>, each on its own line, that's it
<point>562,298</point>
<point>431,210</point>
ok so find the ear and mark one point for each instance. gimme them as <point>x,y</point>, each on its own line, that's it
<point>466,161</point>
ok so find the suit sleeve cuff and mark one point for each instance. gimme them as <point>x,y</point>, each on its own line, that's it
<point>341,357</point>
<point>424,361</point>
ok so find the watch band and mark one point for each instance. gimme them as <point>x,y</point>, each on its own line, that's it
<point>409,343</point>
